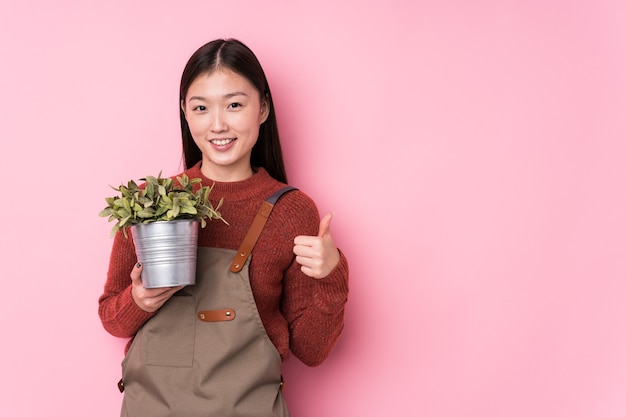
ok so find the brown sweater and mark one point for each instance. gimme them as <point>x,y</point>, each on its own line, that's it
<point>301,314</point>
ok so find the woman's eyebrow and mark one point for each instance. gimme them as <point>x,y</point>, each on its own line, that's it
<point>236,93</point>
<point>229,95</point>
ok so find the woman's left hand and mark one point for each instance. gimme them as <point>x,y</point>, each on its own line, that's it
<point>317,255</point>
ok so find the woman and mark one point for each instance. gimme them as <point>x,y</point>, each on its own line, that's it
<point>215,348</point>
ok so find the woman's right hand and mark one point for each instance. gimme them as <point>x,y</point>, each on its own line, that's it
<point>149,299</point>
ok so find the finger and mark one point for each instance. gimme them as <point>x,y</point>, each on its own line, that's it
<point>306,261</point>
<point>164,294</point>
<point>308,250</point>
<point>325,225</point>
<point>311,272</point>
<point>303,240</point>
<point>176,289</point>
<point>307,271</point>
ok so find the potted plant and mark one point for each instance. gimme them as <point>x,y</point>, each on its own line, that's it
<point>163,216</point>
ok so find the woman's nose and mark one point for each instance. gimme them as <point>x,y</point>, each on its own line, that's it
<point>218,123</point>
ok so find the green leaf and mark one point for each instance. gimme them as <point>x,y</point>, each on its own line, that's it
<point>146,213</point>
<point>183,180</point>
<point>188,210</point>
<point>124,221</point>
<point>149,190</point>
<point>161,211</point>
<point>106,212</point>
<point>173,212</point>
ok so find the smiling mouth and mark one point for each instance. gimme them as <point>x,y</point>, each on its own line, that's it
<point>221,142</point>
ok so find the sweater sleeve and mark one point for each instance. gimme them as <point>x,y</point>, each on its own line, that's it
<point>314,308</point>
<point>118,312</point>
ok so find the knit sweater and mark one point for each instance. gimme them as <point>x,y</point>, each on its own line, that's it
<point>300,314</point>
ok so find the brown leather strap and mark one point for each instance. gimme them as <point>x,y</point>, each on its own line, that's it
<point>226,314</point>
<point>255,229</point>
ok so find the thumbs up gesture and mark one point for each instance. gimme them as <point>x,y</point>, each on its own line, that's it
<point>317,255</point>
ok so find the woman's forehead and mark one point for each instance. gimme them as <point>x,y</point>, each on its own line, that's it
<point>221,82</point>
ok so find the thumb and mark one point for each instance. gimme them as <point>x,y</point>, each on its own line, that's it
<point>325,225</point>
<point>135,274</point>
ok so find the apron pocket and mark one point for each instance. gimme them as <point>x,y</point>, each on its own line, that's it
<point>171,332</point>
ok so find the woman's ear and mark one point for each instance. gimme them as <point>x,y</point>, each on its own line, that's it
<point>182,107</point>
<point>265,110</point>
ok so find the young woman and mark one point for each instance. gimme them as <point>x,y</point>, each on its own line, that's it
<point>216,348</point>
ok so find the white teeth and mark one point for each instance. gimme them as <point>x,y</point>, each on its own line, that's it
<point>221,142</point>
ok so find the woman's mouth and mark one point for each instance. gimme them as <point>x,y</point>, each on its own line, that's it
<point>221,142</point>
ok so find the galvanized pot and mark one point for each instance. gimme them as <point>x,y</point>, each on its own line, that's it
<point>168,251</point>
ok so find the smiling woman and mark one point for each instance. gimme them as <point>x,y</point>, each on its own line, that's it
<point>234,57</point>
<point>224,112</point>
<point>200,350</point>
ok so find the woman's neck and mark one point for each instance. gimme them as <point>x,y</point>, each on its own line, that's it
<point>226,174</point>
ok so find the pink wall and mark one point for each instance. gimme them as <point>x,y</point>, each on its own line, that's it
<point>473,154</point>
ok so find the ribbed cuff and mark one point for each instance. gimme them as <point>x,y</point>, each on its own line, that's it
<point>129,314</point>
<point>331,292</point>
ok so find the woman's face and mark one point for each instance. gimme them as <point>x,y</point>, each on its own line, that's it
<point>224,112</point>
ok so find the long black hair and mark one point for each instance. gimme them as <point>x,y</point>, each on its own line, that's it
<point>237,57</point>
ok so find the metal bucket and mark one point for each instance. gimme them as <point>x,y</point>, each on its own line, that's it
<point>168,251</point>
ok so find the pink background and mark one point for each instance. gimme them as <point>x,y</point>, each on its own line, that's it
<point>473,154</point>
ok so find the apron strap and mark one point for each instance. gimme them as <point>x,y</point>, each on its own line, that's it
<point>256,228</point>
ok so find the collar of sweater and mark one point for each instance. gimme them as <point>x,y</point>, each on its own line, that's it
<point>260,185</point>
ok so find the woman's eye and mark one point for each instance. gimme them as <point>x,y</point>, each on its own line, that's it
<point>234,105</point>
<point>200,108</point>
